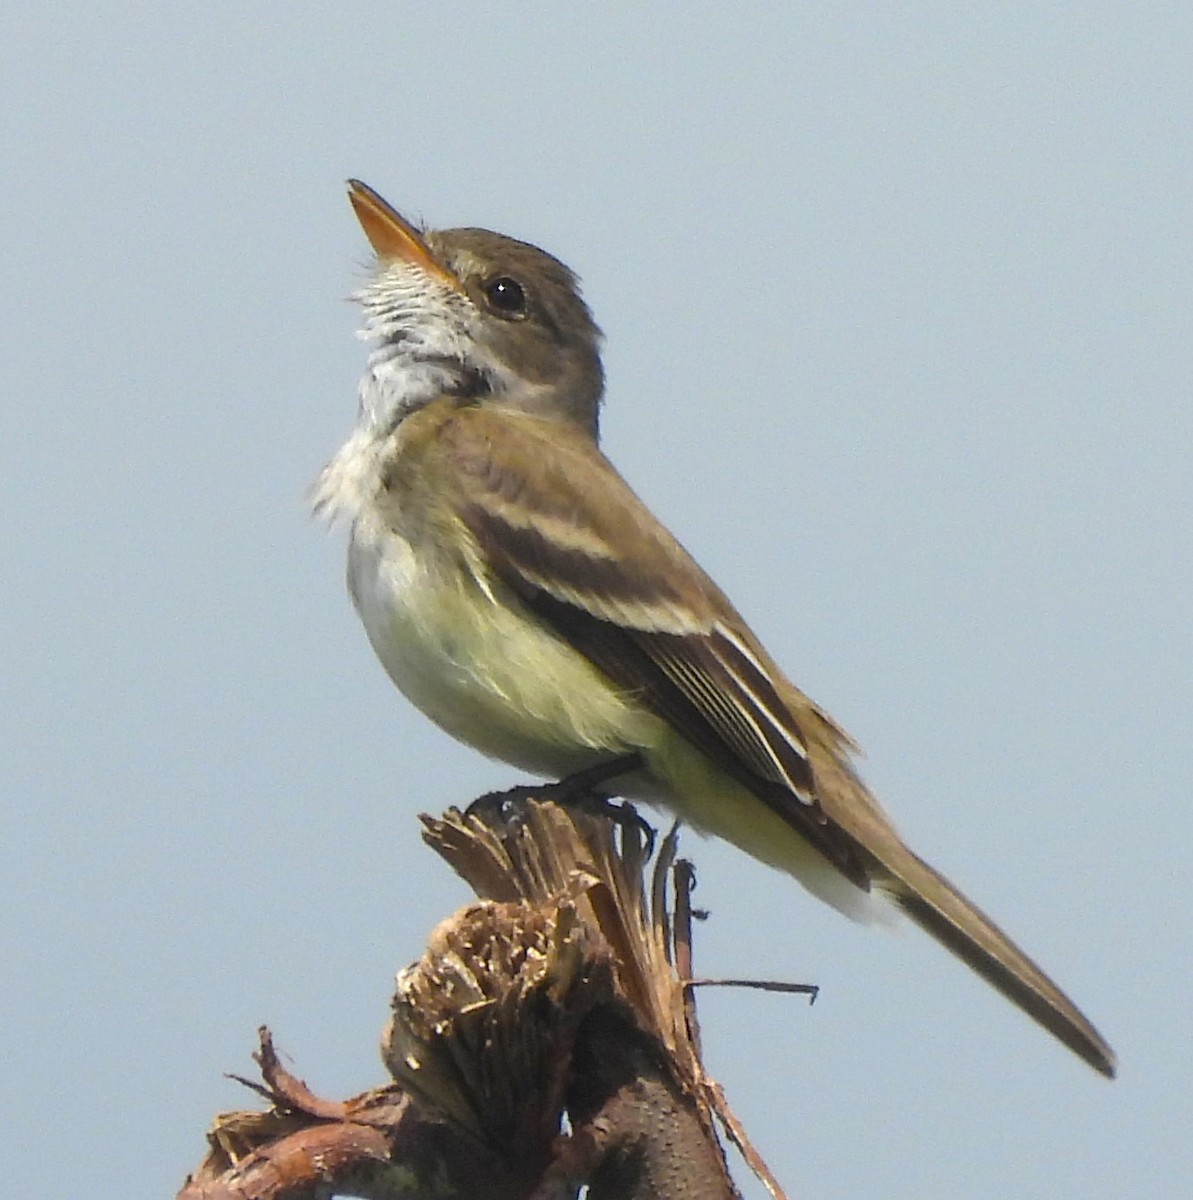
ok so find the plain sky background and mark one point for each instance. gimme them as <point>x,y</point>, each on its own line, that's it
<point>899,342</point>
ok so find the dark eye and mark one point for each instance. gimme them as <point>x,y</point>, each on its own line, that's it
<point>506,296</point>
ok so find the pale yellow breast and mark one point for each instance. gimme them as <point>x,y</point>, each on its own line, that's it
<point>475,662</point>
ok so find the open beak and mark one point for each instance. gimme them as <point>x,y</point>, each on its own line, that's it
<point>392,236</point>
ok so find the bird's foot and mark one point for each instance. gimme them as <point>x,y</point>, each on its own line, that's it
<point>581,790</point>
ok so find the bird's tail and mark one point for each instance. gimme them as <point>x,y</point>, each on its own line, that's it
<point>938,907</point>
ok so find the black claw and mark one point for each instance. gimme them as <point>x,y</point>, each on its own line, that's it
<point>625,816</point>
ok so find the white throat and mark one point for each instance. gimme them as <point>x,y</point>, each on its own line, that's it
<point>421,348</point>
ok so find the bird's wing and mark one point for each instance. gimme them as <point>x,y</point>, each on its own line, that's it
<point>559,526</point>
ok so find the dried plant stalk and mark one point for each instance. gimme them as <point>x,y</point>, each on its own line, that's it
<point>553,999</point>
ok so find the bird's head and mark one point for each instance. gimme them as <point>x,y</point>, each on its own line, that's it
<point>475,315</point>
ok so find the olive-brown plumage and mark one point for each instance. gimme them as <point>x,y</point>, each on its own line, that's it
<point>522,595</point>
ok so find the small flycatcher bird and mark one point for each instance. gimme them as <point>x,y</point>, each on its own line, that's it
<point>522,596</point>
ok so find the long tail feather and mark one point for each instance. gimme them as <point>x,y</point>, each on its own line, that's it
<point>940,909</point>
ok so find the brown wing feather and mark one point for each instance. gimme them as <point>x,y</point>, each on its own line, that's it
<point>614,564</point>
<point>624,593</point>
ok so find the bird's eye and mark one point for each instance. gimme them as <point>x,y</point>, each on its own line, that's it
<point>506,296</point>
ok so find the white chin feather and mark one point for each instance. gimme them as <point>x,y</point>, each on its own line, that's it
<point>419,328</point>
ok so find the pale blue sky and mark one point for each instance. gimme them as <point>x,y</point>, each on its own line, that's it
<point>899,324</point>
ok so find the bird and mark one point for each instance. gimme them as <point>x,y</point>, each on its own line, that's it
<point>521,594</point>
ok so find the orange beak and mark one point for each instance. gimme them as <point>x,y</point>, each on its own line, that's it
<point>391,235</point>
